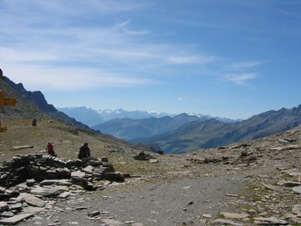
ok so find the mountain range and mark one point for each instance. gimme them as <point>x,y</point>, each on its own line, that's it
<point>186,133</point>
<point>93,118</point>
<point>198,135</point>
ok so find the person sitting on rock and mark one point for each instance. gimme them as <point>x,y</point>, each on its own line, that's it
<point>50,149</point>
<point>84,151</point>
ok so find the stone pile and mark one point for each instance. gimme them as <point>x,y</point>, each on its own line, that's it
<point>28,181</point>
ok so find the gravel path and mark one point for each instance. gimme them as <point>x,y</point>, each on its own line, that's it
<point>177,202</point>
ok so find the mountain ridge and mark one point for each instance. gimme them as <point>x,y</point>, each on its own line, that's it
<point>212,133</point>
<point>108,114</point>
<point>42,109</point>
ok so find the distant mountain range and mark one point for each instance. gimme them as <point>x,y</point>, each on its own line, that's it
<point>93,118</point>
<point>132,129</point>
<point>186,133</point>
<point>210,133</point>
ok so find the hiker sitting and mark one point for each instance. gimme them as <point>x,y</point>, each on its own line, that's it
<point>50,149</point>
<point>84,151</point>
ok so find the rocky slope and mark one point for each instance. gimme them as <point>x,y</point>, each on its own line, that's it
<point>31,104</point>
<point>249,183</point>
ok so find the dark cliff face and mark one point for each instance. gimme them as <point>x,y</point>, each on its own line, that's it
<point>35,104</point>
<point>36,97</point>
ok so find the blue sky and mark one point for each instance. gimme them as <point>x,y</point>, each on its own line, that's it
<point>227,58</point>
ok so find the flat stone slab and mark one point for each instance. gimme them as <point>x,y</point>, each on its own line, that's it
<point>235,215</point>
<point>88,169</point>
<point>65,182</point>
<point>227,222</point>
<point>77,174</point>
<point>45,191</point>
<point>15,219</point>
<point>64,195</point>
<point>3,206</point>
<point>111,222</point>
<point>22,147</point>
<point>270,221</point>
<point>32,200</point>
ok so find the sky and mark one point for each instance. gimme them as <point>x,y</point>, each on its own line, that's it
<point>225,58</point>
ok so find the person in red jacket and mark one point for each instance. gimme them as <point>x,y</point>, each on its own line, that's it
<point>50,149</point>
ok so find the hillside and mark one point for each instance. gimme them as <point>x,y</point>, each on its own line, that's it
<point>24,108</point>
<point>34,102</point>
<point>87,116</point>
<point>213,133</point>
<point>136,129</point>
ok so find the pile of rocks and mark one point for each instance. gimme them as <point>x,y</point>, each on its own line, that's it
<point>28,181</point>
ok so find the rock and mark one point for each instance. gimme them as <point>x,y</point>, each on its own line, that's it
<point>88,169</point>
<point>212,160</point>
<point>297,209</point>
<point>111,222</point>
<point>235,215</point>
<point>16,206</point>
<point>78,174</point>
<point>297,189</point>
<point>115,176</point>
<point>289,183</point>
<point>15,219</point>
<point>7,214</point>
<point>64,195</point>
<point>271,187</point>
<point>270,221</point>
<point>22,147</point>
<point>104,159</point>
<point>206,215</point>
<point>93,214</point>
<point>30,182</point>
<point>81,208</point>
<point>3,206</point>
<point>65,182</point>
<point>45,191</point>
<point>226,222</point>
<point>32,200</point>
<point>143,156</point>
<point>153,161</point>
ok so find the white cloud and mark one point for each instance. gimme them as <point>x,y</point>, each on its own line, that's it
<point>70,79</point>
<point>240,79</point>
<point>189,59</point>
<point>247,64</point>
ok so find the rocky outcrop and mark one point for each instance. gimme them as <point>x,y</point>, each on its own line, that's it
<point>27,181</point>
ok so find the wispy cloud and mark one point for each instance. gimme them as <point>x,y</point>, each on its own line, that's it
<point>246,64</point>
<point>72,78</point>
<point>38,48</point>
<point>240,79</point>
